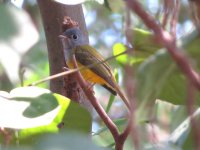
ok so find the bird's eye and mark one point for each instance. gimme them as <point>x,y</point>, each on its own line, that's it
<point>74,36</point>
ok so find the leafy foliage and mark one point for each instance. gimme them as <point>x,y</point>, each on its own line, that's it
<point>35,111</point>
<point>32,115</point>
<point>38,110</point>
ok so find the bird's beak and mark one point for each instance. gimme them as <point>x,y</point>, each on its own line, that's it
<point>65,41</point>
<point>62,36</point>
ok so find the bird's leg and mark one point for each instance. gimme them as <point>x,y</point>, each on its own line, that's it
<point>90,87</point>
<point>65,69</point>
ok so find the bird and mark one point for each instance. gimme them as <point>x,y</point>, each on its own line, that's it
<point>86,55</point>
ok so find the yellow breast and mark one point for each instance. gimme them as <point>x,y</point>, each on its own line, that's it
<point>88,75</point>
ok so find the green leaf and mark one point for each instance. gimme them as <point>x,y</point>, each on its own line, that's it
<point>112,97</point>
<point>152,74</point>
<point>110,102</point>
<point>17,148</point>
<point>9,27</point>
<point>182,135</point>
<point>161,146</point>
<point>125,58</point>
<point>117,6</point>
<point>38,110</point>
<point>107,5</point>
<point>118,122</point>
<point>143,42</point>
<point>158,77</point>
<point>77,118</point>
<point>120,48</point>
<point>103,136</point>
<point>66,141</point>
<point>5,83</point>
<point>35,62</point>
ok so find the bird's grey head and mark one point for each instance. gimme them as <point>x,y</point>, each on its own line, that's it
<point>75,37</point>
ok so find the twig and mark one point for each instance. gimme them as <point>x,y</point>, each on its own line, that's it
<point>166,12</point>
<point>7,135</point>
<point>168,42</point>
<point>128,25</point>
<point>58,75</point>
<point>108,122</point>
<point>123,136</point>
<point>174,19</point>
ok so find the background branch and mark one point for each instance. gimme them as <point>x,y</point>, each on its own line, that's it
<point>168,42</point>
<point>174,19</point>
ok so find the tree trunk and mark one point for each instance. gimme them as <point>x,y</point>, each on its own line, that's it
<point>52,14</point>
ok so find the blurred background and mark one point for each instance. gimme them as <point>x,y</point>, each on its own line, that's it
<point>23,53</point>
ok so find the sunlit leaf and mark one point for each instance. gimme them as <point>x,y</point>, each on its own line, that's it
<point>120,48</point>
<point>38,110</point>
<point>75,2</point>
<point>143,43</point>
<point>71,2</point>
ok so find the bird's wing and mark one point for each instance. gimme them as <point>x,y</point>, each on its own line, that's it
<point>87,55</point>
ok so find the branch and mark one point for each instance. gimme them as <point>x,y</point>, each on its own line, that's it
<point>123,136</point>
<point>168,41</point>
<point>89,93</point>
<point>7,136</point>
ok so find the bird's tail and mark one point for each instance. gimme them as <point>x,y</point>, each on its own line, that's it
<point>122,96</point>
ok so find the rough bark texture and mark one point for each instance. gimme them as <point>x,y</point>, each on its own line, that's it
<point>52,14</point>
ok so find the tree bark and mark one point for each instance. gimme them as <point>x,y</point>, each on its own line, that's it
<point>52,14</point>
